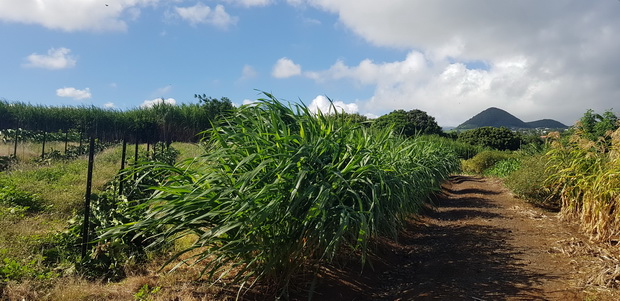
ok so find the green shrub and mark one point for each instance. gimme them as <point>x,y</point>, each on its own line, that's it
<point>11,196</point>
<point>496,138</point>
<point>484,160</point>
<point>503,168</point>
<point>16,270</point>
<point>463,150</point>
<point>528,182</point>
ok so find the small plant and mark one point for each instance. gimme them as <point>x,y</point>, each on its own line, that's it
<point>146,293</point>
<point>15,270</point>
<point>10,196</point>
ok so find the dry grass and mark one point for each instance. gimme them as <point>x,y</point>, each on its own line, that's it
<point>587,180</point>
<point>144,282</point>
<point>29,151</point>
<point>604,272</point>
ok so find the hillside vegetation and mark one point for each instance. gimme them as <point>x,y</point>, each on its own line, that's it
<point>495,117</point>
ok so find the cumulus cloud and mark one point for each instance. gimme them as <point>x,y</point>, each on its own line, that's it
<point>324,105</point>
<point>56,58</point>
<point>74,15</point>
<point>552,59</point>
<point>74,93</point>
<point>109,105</point>
<point>285,68</point>
<point>203,14</point>
<point>152,102</point>
<point>449,91</point>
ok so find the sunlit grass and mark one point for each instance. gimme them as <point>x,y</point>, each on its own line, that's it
<point>29,151</point>
<point>586,178</point>
<point>280,190</point>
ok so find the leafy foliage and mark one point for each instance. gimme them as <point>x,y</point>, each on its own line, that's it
<point>528,182</point>
<point>409,123</point>
<point>14,270</point>
<point>215,107</point>
<point>107,258</point>
<point>484,160</point>
<point>496,138</point>
<point>10,196</point>
<point>594,126</point>
<point>503,168</point>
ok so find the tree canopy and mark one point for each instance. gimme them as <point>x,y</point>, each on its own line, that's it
<point>498,138</point>
<point>409,123</point>
<point>595,125</point>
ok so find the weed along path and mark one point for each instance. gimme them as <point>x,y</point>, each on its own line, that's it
<point>479,243</point>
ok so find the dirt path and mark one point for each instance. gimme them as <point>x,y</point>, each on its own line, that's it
<point>480,243</point>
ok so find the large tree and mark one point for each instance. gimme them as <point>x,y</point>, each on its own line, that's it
<point>215,107</point>
<point>595,125</point>
<point>409,123</point>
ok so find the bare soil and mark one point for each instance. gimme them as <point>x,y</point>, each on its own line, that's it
<point>478,243</point>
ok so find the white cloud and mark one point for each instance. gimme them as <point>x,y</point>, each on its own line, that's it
<point>74,93</point>
<point>284,68</point>
<point>203,14</point>
<point>323,104</point>
<point>371,116</point>
<point>449,91</point>
<point>56,58</point>
<point>73,15</point>
<point>248,72</point>
<point>151,103</point>
<point>551,59</point>
<point>250,3</point>
<point>109,105</point>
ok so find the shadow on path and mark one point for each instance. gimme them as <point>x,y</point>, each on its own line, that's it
<point>459,252</point>
<point>462,249</point>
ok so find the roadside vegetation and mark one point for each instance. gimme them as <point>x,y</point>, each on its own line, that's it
<point>271,194</point>
<point>575,172</point>
<point>214,202</point>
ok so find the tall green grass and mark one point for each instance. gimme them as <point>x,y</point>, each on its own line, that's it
<point>281,190</point>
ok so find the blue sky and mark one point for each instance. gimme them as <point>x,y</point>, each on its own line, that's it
<point>451,59</point>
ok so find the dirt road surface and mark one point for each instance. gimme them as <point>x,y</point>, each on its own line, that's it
<point>479,243</point>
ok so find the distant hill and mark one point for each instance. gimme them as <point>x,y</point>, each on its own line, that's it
<point>547,123</point>
<point>499,118</point>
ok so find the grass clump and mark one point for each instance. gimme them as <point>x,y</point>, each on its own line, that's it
<point>281,190</point>
<point>585,178</point>
<point>528,181</point>
<point>503,168</point>
<point>485,160</point>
